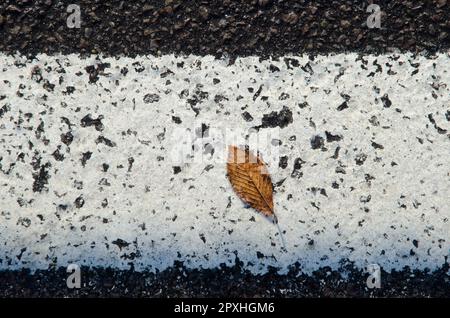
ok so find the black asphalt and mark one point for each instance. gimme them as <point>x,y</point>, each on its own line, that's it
<point>218,27</point>
<point>178,281</point>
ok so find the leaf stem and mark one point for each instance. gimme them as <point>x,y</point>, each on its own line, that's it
<point>281,234</point>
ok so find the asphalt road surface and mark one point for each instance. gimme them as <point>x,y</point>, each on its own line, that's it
<point>112,136</point>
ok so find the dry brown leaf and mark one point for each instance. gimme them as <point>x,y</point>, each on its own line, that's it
<point>250,180</point>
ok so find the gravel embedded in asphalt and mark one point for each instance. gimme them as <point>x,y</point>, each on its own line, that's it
<point>235,28</point>
<point>179,281</point>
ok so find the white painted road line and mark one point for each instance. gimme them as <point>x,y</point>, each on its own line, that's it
<point>87,175</point>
